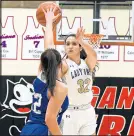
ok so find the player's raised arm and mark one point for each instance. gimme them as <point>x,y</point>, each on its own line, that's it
<point>48,33</point>
<point>91,59</point>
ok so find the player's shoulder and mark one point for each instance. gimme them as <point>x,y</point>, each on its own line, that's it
<point>68,61</point>
<point>42,76</point>
<point>61,87</point>
<point>84,62</point>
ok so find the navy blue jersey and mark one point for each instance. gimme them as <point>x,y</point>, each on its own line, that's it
<point>40,103</point>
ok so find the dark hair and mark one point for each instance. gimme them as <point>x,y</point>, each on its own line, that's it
<point>70,35</point>
<point>83,55</point>
<point>50,59</point>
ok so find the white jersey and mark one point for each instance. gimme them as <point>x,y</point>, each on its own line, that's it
<point>79,82</point>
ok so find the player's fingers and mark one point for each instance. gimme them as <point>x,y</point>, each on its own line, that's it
<point>54,9</point>
<point>77,33</point>
<point>83,31</point>
<point>51,8</point>
<point>43,30</point>
<point>78,30</point>
<point>57,16</point>
<point>48,10</point>
<point>43,10</point>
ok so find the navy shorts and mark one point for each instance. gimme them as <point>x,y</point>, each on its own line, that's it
<point>31,129</point>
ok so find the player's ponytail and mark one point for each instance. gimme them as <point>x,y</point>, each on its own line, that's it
<point>83,54</point>
<point>50,60</point>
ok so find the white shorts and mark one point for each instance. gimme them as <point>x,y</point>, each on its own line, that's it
<point>79,122</point>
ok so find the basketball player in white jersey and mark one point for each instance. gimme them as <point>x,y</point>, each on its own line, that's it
<point>80,117</point>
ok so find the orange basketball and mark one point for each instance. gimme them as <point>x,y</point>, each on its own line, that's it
<point>41,16</point>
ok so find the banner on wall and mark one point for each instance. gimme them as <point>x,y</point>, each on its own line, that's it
<point>9,40</point>
<point>32,41</point>
<point>107,53</point>
<point>113,102</point>
<point>129,53</point>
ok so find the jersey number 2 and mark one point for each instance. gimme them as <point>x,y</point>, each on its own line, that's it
<point>82,83</point>
<point>37,103</point>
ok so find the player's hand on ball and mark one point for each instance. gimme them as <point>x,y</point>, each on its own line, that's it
<point>49,14</point>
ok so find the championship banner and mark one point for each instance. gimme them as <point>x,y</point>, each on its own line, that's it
<point>8,40</point>
<point>32,41</point>
<point>113,101</point>
<point>107,53</point>
<point>129,51</point>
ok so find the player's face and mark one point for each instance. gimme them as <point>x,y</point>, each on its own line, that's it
<point>72,47</point>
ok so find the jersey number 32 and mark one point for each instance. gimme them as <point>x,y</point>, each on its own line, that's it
<point>83,85</point>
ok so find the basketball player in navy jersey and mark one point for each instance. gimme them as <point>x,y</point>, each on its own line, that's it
<point>50,100</point>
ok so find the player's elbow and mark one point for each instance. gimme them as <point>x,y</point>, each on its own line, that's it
<point>50,119</point>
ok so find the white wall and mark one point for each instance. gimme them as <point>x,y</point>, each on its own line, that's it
<point>29,67</point>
